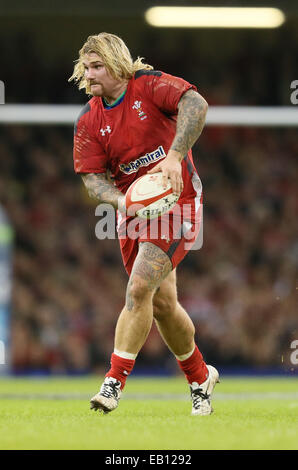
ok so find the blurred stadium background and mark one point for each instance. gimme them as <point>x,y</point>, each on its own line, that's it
<point>68,287</point>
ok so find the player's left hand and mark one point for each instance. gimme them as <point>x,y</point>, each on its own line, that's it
<point>171,168</point>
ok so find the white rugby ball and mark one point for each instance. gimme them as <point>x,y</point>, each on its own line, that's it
<point>147,199</point>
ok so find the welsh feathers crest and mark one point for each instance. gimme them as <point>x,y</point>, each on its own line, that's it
<point>138,107</point>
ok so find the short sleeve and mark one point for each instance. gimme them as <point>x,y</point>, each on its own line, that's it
<point>166,90</point>
<point>88,154</point>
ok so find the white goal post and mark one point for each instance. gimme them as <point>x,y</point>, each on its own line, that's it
<point>217,115</point>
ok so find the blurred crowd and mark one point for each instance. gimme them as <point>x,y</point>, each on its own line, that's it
<point>253,68</point>
<point>240,288</point>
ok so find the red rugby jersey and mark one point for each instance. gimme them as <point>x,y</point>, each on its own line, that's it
<point>133,136</point>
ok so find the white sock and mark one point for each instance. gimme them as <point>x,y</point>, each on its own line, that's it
<point>125,355</point>
<point>185,356</point>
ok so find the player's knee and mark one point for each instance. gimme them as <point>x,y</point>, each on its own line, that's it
<point>164,305</point>
<point>138,290</point>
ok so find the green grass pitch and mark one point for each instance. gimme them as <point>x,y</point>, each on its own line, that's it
<point>154,414</point>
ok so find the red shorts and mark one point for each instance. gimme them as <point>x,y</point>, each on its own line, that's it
<point>176,233</point>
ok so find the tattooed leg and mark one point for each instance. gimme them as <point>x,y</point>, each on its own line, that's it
<point>173,323</point>
<point>151,266</point>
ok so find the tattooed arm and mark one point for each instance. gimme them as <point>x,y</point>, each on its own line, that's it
<point>100,188</point>
<point>192,110</point>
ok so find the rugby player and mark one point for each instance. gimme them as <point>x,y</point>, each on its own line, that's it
<point>140,121</point>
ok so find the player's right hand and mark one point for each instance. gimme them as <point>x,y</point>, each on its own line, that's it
<point>171,169</point>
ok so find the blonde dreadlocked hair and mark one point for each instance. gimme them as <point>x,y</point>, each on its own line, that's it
<point>115,55</point>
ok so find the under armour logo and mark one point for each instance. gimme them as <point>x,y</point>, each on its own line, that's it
<point>107,129</point>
